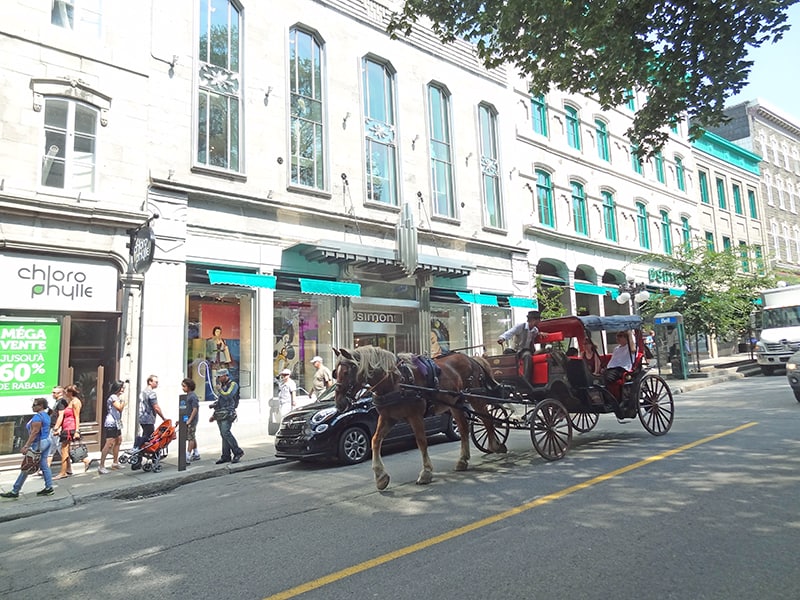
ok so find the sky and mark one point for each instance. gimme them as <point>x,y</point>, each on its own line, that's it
<point>775,75</point>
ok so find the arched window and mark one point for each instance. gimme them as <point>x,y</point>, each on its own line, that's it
<point>609,216</point>
<point>573,127</point>
<point>490,169</point>
<point>380,135</point>
<point>441,151</point>
<point>641,225</point>
<point>579,208</point>
<point>601,132</point>
<point>666,234</point>
<point>680,174</point>
<point>306,77</point>
<point>544,198</point>
<point>539,115</point>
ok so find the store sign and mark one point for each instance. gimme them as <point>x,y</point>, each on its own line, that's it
<point>29,357</point>
<point>368,316</point>
<point>47,283</point>
<point>143,248</point>
<point>664,276</point>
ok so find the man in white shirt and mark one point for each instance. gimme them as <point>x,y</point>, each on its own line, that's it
<point>525,335</point>
<point>621,359</point>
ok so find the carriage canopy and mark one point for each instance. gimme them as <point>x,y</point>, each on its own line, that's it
<point>577,326</point>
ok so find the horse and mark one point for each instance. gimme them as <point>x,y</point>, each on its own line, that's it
<point>402,388</point>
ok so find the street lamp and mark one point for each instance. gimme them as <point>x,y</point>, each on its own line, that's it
<point>632,292</point>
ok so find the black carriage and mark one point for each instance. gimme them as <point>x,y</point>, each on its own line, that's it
<point>555,393</point>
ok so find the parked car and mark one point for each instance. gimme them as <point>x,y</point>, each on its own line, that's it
<point>319,430</point>
<point>793,373</point>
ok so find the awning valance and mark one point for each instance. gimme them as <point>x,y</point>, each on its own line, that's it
<point>484,299</point>
<point>243,279</point>
<point>330,288</point>
<point>519,302</point>
<point>583,287</point>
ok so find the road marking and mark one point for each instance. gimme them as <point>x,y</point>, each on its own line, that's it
<point>454,533</point>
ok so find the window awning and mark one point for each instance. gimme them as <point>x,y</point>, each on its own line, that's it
<point>519,302</point>
<point>330,288</point>
<point>583,287</point>
<point>484,299</point>
<point>382,261</point>
<point>244,279</point>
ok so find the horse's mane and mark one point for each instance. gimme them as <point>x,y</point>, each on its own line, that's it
<point>373,359</point>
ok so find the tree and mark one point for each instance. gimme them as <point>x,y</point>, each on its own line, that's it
<point>549,299</point>
<point>687,57</point>
<point>717,298</point>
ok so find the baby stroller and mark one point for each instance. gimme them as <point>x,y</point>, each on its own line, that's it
<point>147,455</point>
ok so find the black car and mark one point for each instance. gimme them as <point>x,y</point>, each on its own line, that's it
<point>319,430</point>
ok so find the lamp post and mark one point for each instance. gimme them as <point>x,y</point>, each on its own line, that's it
<point>633,293</point>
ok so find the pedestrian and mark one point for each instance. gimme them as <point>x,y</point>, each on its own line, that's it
<point>225,414</point>
<point>112,426</point>
<point>68,427</point>
<point>38,441</point>
<point>323,379</point>
<point>59,404</point>
<point>148,409</point>
<point>525,336</point>
<point>192,407</point>
<point>287,390</point>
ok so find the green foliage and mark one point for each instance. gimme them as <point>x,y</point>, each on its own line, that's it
<point>549,298</point>
<point>718,298</point>
<point>687,57</point>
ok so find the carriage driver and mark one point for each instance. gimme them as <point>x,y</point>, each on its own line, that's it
<point>525,336</point>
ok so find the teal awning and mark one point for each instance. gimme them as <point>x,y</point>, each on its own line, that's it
<point>330,288</point>
<point>484,299</point>
<point>582,287</point>
<point>239,278</point>
<point>675,292</point>
<point>518,302</point>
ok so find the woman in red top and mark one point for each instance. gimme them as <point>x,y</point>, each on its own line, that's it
<point>68,428</point>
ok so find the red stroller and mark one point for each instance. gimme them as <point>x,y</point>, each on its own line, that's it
<point>148,456</point>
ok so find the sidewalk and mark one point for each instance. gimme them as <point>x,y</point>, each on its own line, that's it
<point>251,432</point>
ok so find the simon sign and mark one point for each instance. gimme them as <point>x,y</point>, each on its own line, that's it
<point>35,282</point>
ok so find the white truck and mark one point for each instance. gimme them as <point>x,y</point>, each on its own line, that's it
<point>780,327</point>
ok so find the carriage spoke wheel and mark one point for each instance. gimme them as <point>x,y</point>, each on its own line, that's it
<point>480,434</point>
<point>656,408</point>
<point>551,429</point>
<point>583,421</point>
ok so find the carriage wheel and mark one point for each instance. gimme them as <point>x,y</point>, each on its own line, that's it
<point>551,429</point>
<point>480,434</point>
<point>656,408</point>
<point>583,421</point>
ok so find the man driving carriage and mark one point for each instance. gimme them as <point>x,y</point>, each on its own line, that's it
<point>525,336</point>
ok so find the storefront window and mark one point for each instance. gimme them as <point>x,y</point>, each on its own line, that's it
<point>495,321</point>
<point>220,336</point>
<point>303,328</point>
<point>449,328</point>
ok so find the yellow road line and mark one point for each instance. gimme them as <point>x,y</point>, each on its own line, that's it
<point>454,533</point>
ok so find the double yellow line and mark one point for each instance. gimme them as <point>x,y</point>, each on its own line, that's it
<point>454,533</point>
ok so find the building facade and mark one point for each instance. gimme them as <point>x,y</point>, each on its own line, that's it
<point>311,184</point>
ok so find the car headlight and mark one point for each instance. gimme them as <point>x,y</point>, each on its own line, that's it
<point>791,366</point>
<point>760,347</point>
<point>323,415</point>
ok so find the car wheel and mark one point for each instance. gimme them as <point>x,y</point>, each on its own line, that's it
<point>451,428</point>
<point>354,446</point>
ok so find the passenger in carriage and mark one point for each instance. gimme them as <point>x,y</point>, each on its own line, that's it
<point>621,359</point>
<point>525,336</point>
<point>591,356</point>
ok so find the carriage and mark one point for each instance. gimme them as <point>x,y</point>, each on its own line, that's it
<point>562,394</point>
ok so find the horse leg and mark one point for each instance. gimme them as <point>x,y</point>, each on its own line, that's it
<point>463,431</point>
<point>382,430</point>
<point>417,424</point>
<point>494,444</point>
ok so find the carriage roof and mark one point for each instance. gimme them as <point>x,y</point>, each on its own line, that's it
<point>577,326</point>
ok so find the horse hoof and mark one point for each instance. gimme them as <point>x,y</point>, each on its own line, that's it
<point>382,481</point>
<point>425,478</point>
<point>462,465</point>
<point>502,449</point>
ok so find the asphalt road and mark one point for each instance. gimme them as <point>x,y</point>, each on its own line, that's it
<point>708,511</point>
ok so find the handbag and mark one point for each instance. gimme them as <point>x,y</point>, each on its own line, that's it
<point>222,415</point>
<point>30,462</point>
<point>78,451</point>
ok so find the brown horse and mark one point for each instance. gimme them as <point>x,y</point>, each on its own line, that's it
<point>403,387</point>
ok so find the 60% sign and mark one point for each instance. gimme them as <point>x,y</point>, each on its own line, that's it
<point>20,372</point>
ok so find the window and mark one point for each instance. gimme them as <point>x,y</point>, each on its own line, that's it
<point>659,165</point>
<point>636,161</point>
<point>630,99</point>
<point>219,93</point>
<point>686,231</point>
<point>680,174</point>
<point>723,203</point>
<point>490,169</point>
<point>579,208</point>
<point>379,125</point>
<point>751,200</point>
<point>641,226</point>
<point>743,257</point>
<point>666,234</point>
<point>82,16</point>
<point>441,152</point>
<point>710,240</point>
<point>702,178</point>
<point>726,243</point>
<point>305,119</point>
<point>573,127</point>
<point>544,198</point>
<point>70,145</point>
<point>539,115</point>
<point>609,216</point>
<point>601,131</point>
<point>737,200</point>
<point>759,261</point>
